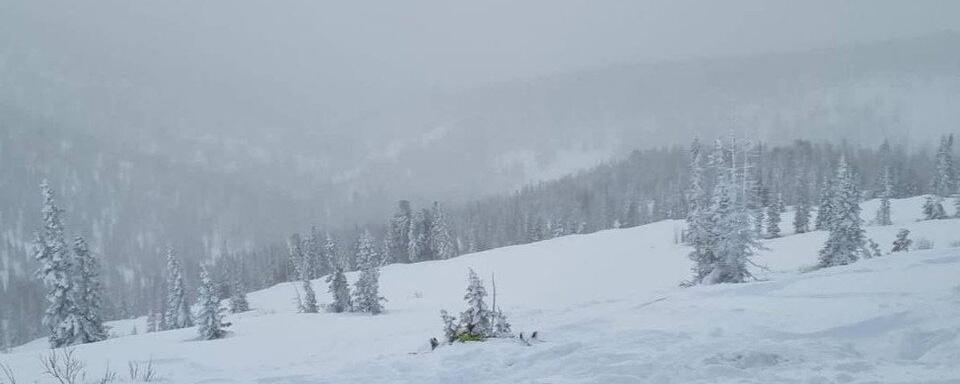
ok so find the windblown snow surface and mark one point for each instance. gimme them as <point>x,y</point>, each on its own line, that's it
<point>608,309</point>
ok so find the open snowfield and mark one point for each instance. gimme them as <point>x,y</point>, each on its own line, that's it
<point>609,310</point>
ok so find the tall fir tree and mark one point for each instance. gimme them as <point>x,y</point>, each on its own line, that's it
<point>476,319</point>
<point>399,233</point>
<point>846,240</point>
<point>933,208</point>
<point>210,323</point>
<point>883,212</point>
<point>177,308</point>
<point>774,212</point>
<point>339,290</point>
<point>89,293</point>
<point>57,266</point>
<point>825,209</point>
<point>699,234</point>
<point>299,263</point>
<point>441,241</point>
<point>734,240</point>
<point>367,289</point>
<point>308,303</point>
<point>238,297</point>
<point>944,178</point>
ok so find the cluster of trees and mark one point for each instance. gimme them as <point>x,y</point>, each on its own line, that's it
<point>743,183</point>
<point>365,297</point>
<point>72,280</point>
<point>478,321</point>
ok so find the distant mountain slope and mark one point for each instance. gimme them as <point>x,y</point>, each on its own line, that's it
<point>608,309</point>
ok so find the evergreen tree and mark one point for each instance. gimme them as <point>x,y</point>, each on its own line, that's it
<point>209,316</point>
<point>801,217</point>
<point>933,208</point>
<point>298,259</point>
<point>313,250</point>
<point>846,239</point>
<point>943,182</point>
<point>475,320</point>
<point>56,270</point>
<point>883,213</point>
<point>153,321</point>
<point>825,209</point>
<point>308,304</point>
<point>178,309</point>
<point>367,289</point>
<point>330,253</point>
<point>902,243</point>
<point>700,223</point>
<point>733,243</point>
<point>441,242</point>
<point>399,233</point>
<point>773,217</point>
<point>449,326</point>
<point>420,228</point>
<point>339,290</point>
<point>874,249</point>
<point>238,298</point>
<point>88,293</point>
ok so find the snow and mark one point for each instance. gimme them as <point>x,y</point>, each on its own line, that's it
<point>609,310</point>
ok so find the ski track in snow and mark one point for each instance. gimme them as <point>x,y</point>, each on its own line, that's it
<point>608,309</point>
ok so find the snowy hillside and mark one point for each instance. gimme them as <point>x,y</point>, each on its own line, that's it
<point>609,309</point>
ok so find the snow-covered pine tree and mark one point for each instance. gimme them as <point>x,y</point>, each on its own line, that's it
<point>88,294</point>
<point>943,181</point>
<point>449,326</point>
<point>873,249</point>
<point>209,316</point>
<point>238,297</point>
<point>801,217</point>
<point>883,212</point>
<point>399,233</point>
<point>734,242</point>
<point>308,303</point>
<point>367,289</point>
<point>339,290</point>
<point>57,267</point>
<point>177,308</point>
<point>420,228</point>
<point>298,259</point>
<point>773,217</point>
<point>933,208</point>
<point>331,253</point>
<point>700,226</point>
<point>153,322</point>
<point>475,320</point>
<point>825,209</point>
<point>313,250</point>
<point>846,239</point>
<point>441,241</point>
<point>902,243</point>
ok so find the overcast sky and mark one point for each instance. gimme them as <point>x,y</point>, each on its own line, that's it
<point>442,42</point>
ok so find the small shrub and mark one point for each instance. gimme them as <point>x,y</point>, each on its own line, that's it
<point>466,337</point>
<point>63,366</point>
<point>923,243</point>
<point>142,371</point>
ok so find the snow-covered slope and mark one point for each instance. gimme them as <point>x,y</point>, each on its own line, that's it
<point>609,309</point>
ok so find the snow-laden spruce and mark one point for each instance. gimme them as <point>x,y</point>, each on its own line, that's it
<point>944,178</point>
<point>210,323</point>
<point>177,313</point>
<point>801,216</point>
<point>441,241</point>
<point>722,235</point>
<point>773,217</point>
<point>238,297</point>
<point>56,267</point>
<point>846,240</point>
<point>477,322</point>
<point>367,289</point>
<point>339,290</point>
<point>88,293</point>
<point>902,243</point>
<point>933,208</point>
<point>883,212</point>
